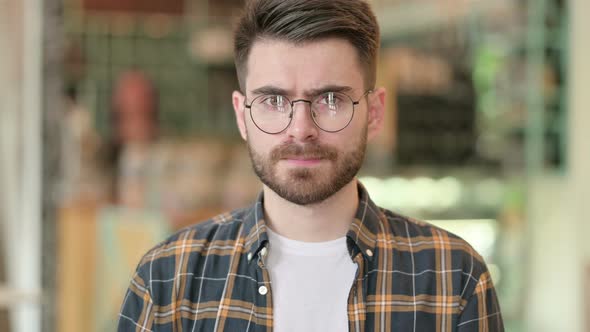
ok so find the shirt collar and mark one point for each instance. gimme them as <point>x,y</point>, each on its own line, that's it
<point>362,235</point>
<point>255,228</point>
<point>365,226</point>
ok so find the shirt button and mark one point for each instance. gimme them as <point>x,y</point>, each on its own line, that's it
<point>249,256</point>
<point>369,252</point>
<point>263,251</point>
<point>262,290</point>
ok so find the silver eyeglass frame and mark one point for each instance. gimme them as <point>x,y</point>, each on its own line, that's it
<point>292,104</point>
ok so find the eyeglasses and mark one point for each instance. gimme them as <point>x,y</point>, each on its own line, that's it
<point>330,111</point>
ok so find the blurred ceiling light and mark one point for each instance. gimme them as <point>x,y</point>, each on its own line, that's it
<point>449,192</point>
<point>397,189</point>
<point>376,189</point>
<point>489,192</point>
<point>480,233</point>
<point>415,194</point>
<point>423,191</point>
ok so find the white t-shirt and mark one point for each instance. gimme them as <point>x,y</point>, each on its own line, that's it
<point>310,284</point>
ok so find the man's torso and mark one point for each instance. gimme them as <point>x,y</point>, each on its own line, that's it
<point>411,277</point>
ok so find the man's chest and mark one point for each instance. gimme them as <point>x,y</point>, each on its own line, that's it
<point>310,292</point>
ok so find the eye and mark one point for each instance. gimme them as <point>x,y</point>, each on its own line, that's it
<point>330,99</point>
<point>274,101</point>
<point>328,103</point>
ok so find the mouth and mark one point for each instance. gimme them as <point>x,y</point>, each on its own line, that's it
<point>303,160</point>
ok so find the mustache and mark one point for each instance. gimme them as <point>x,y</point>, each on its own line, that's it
<point>308,151</point>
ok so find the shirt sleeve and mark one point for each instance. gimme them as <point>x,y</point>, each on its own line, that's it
<point>482,310</point>
<point>136,311</point>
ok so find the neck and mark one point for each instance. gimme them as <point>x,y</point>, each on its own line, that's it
<point>324,221</point>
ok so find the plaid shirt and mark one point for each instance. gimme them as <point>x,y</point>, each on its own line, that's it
<point>411,276</point>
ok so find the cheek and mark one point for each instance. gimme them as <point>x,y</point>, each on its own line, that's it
<point>352,134</point>
<point>360,118</point>
<point>360,124</point>
<point>258,141</point>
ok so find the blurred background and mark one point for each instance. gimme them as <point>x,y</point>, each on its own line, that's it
<point>116,129</point>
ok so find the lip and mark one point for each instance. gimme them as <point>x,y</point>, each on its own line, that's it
<point>303,161</point>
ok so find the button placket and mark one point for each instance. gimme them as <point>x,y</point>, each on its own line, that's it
<point>263,290</point>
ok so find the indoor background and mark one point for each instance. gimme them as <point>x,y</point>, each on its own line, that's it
<point>116,129</point>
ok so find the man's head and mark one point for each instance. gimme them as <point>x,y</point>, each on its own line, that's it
<point>317,78</point>
<point>303,21</point>
<point>135,113</point>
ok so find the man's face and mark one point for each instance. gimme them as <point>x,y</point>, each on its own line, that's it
<point>304,164</point>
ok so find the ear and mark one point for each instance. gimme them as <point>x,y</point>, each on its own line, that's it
<point>376,112</point>
<point>238,100</point>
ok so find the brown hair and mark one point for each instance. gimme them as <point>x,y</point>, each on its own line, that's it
<point>300,21</point>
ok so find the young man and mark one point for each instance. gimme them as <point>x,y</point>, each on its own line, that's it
<point>313,253</point>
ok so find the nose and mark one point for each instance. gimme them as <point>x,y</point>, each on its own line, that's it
<point>302,127</point>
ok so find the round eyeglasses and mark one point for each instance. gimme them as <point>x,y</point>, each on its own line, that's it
<point>330,111</point>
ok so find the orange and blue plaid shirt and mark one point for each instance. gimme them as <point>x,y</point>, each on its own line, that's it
<point>411,276</point>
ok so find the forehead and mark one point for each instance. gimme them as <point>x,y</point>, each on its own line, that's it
<point>301,67</point>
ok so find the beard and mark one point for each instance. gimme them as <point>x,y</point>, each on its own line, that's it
<point>303,185</point>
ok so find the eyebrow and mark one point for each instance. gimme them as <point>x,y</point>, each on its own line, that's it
<point>269,90</point>
<point>274,90</point>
